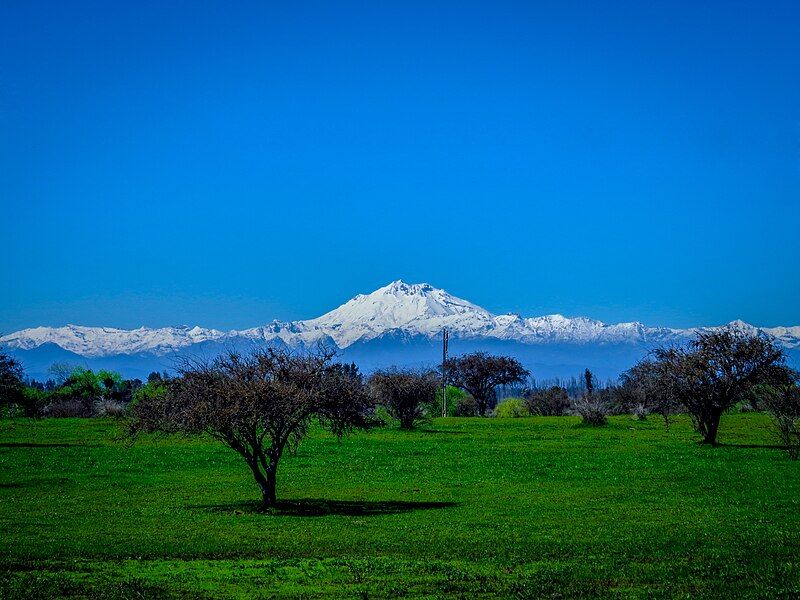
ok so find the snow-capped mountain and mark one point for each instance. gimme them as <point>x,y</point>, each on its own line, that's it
<point>398,314</point>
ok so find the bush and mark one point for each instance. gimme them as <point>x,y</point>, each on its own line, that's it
<point>593,410</point>
<point>466,407</point>
<point>109,408</point>
<point>511,408</point>
<point>68,408</point>
<point>552,402</point>
<point>640,411</point>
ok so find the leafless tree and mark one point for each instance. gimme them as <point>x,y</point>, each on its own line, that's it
<point>480,373</point>
<point>718,369</point>
<point>550,402</point>
<point>258,404</point>
<point>593,407</point>
<point>782,400</point>
<point>647,388</point>
<point>406,393</point>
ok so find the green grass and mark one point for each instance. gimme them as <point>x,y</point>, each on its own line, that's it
<point>463,508</point>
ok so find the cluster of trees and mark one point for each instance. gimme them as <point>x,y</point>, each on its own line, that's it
<point>714,373</point>
<point>70,392</point>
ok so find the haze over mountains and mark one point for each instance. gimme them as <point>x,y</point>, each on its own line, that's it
<point>399,323</point>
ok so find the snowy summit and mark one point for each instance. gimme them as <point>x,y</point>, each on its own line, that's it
<point>411,309</point>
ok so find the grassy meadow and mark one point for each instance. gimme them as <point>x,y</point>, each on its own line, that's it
<point>460,508</point>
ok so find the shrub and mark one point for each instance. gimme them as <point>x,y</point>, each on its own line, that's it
<point>109,408</point>
<point>68,407</point>
<point>640,411</point>
<point>592,409</point>
<point>511,408</point>
<point>466,407</point>
<point>552,402</point>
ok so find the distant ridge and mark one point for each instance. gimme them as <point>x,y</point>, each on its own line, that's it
<point>397,314</point>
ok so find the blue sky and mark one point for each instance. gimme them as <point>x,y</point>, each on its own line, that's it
<point>225,164</point>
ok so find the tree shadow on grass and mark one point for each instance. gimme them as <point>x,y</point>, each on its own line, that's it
<point>44,445</point>
<point>762,446</point>
<point>445,431</point>
<point>317,507</point>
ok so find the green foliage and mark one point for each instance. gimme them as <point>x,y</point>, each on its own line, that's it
<point>154,389</point>
<point>84,393</point>
<point>454,396</point>
<point>82,384</point>
<point>34,401</point>
<point>511,408</point>
<point>465,508</point>
<point>10,381</point>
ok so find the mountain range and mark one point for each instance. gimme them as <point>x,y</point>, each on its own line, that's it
<point>400,324</point>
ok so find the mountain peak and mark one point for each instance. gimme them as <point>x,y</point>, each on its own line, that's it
<point>408,309</point>
<point>410,289</point>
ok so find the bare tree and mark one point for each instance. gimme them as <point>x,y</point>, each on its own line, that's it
<point>551,402</point>
<point>646,387</point>
<point>782,400</point>
<point>258,404</point>
<point>405,393</point>
<point>592,407</point>
<point>717,370</point>
<point>480,373</point>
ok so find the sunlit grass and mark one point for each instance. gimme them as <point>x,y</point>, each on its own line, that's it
<point>500,508</point>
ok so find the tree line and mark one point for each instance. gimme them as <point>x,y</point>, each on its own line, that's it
<point>262,404</point>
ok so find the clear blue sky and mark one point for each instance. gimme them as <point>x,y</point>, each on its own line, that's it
<point>225,164</point>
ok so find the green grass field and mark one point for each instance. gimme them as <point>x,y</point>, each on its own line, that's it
<point>462,508</point>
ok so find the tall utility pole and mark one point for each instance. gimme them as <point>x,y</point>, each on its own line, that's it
<point>445,340</point>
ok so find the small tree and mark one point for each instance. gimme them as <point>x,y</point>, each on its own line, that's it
<point>407,394</point>
<point>480,373</point>
<point>588,382</point>
<point>258,405</point>
<point>717,370</point>
<point>551,402</point>
<point>782,400</point>
<point>454,397</point>
<point>592,407</point>
<point>11,386</point>
<point>646,388</point>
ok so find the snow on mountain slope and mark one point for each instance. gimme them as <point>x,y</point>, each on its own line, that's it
<point>105,341</point>
<point>412,308</point>
<point>398,308</point>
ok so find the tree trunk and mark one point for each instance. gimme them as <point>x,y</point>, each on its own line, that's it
<point>711,427</point>
<point>266,482</point>
<point>269,495</point>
